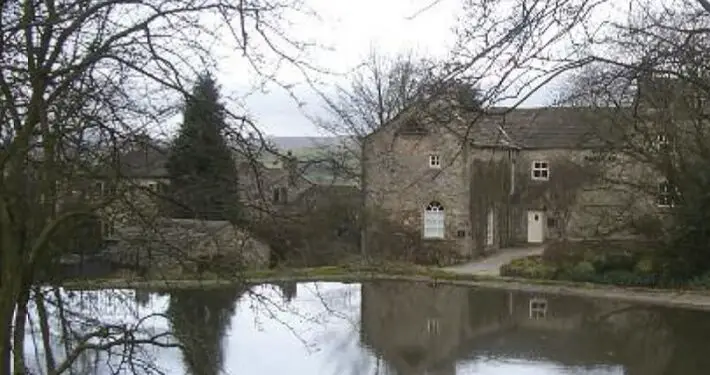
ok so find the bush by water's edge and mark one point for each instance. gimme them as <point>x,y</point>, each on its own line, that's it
<point>695,299</point>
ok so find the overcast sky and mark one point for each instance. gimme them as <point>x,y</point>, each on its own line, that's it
<point>349,30</point>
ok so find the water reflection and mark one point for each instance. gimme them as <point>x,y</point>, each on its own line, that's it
<point>420,329</point>
<point>289,289</point>
<point>200,320</point>
<point>411,328</point>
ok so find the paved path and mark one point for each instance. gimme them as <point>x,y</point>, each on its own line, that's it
<point>490,266</point>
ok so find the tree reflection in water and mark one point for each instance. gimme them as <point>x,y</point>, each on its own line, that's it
<point>200,319</point>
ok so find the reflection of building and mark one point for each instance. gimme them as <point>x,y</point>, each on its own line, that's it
<point>414,327</point>
<point>423,329</point>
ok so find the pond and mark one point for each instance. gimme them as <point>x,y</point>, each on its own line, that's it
<point>399,328</point>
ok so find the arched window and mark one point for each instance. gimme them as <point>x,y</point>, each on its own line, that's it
<point>434,221</point>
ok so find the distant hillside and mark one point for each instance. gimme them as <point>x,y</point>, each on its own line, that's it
<point>294,143</point>
<point>310,149</point>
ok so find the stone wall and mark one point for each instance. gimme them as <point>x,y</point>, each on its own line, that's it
<point>257,184</point>
<point>188,244</point>
<point>399,183</point>
<point>588,194</point>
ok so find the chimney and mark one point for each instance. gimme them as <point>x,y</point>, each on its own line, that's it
<point>290,163</point>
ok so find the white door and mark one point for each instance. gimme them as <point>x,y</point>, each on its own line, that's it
<point>490,227</point>
<point>535,227</point>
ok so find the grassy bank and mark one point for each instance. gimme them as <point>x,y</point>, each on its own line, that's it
<point>692,299</point>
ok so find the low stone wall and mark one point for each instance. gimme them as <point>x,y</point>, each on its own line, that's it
<point>192,245</point>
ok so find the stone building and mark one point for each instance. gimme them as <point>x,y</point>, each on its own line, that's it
<point>464,183</point>
<point>265,189</point>
<point>137,185</point>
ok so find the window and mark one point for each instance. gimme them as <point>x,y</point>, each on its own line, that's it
<point>432,326</point>
<point>280,195</point>
<point>540,170</point>
<point>108,230</point>
<point>412,126</point>
<point>661,142</point>
<point>98,189</point>
<point>434,161</point>
<point>461,233</point>
<point>551,222</point>
<point>434,221</point>
<point>538,308</point>
<point>666,195</point>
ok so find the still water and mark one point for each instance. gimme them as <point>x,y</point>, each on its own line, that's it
<point>399,328</point>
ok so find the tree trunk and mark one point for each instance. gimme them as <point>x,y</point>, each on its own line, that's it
<point>7,309</point>
<point>19,333</point>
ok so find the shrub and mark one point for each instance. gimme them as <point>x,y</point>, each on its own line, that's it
<point>614,260</point>
<point>700,282</point>
<point>644,266</point>
<point>532,267</point>
<point>582,271</point>
<point>628,278</point>
<point>564,252</point>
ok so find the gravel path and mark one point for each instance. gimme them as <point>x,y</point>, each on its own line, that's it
<point>490,266</point>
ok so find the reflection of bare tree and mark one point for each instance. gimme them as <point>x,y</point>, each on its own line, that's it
<point>90,332</point>
<point>200,318</point>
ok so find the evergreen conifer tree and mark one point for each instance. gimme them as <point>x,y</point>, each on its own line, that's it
<point>203,175</point>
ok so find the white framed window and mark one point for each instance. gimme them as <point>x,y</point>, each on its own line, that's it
<point>434,161</point>
<point>661,142</point>
<point>540,170</point>
<point>666,195</point>
<point>432,326</point>
<point>434,226</point>
<point>538,308</point>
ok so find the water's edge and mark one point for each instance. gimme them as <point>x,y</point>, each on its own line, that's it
<point>694,300</point>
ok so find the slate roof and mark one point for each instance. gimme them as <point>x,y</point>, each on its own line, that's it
<point>526,128</point>
<point>554,127</point>
<point>147,161</point>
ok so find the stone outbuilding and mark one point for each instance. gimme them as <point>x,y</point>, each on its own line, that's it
<point>188,244</point>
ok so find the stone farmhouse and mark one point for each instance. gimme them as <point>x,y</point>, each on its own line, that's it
<point>463,183</point>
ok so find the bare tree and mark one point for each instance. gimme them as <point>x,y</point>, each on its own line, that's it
<point>651,91</point>
<point>379,89</point>
<point>78,79</point>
